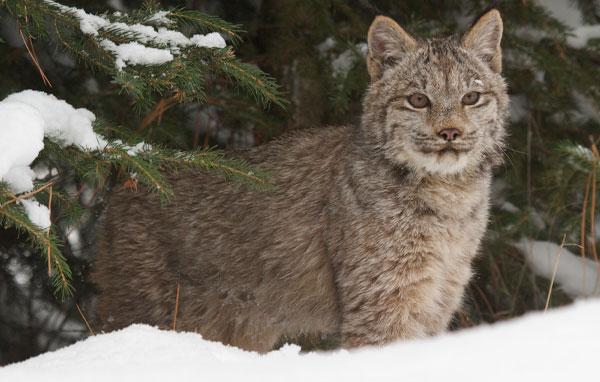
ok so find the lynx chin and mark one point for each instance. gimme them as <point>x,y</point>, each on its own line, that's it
<point>369,233</point>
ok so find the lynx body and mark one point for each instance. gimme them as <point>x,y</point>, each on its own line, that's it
<point>368,234</point>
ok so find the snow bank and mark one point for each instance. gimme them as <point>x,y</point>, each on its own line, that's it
<point>169,42</point>
<point>560,345</point>
<point>577,276</point>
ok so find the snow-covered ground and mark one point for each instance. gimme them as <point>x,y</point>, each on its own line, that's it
<point>561,345</point>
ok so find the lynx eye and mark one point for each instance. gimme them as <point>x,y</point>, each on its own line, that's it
<point>390,61</point>
<point>418,100</point>
<point>470,98</point>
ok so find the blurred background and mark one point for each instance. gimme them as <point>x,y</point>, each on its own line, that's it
<point>315,49</point>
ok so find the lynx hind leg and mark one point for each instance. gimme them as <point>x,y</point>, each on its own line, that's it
<point>133,286</point>
<point>216,315</point>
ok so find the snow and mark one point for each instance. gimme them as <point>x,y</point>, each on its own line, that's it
<point>89,24</point>
<point>168,43</point>
<point>211,40</point>
<point>91,85</point>
<point>342,64</point>
<point>61,122</point>
<point>21,139</point>
<point>326,45</point>
<point>556,346</point>
<point>569,15</point>
<point>26,118</point>
<point>29,116</point>
<point>138,148</point>
<point>136,54</point>
<point>116,4</point>
<point>38,213</point>
<point>583,34</point>
<point>160,17</point>
<point>576,275</point>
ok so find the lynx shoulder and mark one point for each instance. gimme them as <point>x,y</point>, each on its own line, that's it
<point>368,233</point>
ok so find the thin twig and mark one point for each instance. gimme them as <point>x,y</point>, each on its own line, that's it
<point>176,307</point>
<point>29,194</point>
<point>487,303</point>
<point>586,196</point>
<point>84,320</point>
<point>29,46</point>
<point>49,245</point>
<point>593,203</point>
<point>160,108</point>
<point>197,126</point>
<point>554,272</point>
<point>582,243</point>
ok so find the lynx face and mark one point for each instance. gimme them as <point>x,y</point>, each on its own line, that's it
<point>437,106</point>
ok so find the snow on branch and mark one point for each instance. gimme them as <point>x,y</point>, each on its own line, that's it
<point>146,52</point>
<point>37,127</point>
<point>166,43</point>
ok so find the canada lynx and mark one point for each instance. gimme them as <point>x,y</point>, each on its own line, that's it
<point>368,234</point>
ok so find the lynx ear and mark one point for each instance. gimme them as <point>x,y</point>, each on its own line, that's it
<point>387,42</point>
<point>484,37</point>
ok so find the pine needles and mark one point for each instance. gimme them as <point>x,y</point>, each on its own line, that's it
<point>192,66</point>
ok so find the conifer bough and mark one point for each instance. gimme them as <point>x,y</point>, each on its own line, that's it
<point>151,61</point>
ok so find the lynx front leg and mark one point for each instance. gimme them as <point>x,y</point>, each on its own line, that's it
<point>387,311</point>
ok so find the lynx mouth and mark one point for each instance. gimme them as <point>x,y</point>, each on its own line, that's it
<point>445,149</point>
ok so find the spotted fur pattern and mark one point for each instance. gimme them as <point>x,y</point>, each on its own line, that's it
<point>368,234</point>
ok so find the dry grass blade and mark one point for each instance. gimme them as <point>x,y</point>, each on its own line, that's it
<point>85,320</point>
<point>28,42</point>
<point>28,195</point>
<point>593,202</point>
<point>584,207</point>
<point>49,228</point>
<point>159,109</point>
<point>562,244</point>
<point>176,307</point>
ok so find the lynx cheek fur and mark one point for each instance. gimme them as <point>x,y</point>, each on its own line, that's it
<point>368,234</point>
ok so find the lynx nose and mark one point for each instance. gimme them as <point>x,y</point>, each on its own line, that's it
<point>450,134</point>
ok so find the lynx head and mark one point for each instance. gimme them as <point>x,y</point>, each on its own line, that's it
<point>436,106</point>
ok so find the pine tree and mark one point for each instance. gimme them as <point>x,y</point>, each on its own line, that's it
<point>174,73</point>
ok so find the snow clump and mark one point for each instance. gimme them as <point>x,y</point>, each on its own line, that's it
<point>27,118</point>
<point>168,42</point>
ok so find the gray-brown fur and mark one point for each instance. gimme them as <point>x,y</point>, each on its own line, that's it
<point>368,234</point>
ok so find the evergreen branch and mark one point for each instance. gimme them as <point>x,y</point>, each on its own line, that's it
<point>13,216</point>
<point>27,195</point>
<point>140,169</point>
<point>579,157</point>
<point>206,23</point>
<point>253,80</point>
<point>209,159</point>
